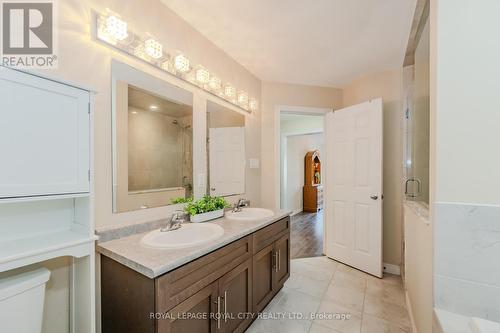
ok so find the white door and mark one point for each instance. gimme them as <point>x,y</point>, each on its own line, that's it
<point>44,136</point>
<point>353,189</point>
<point>227,160</point>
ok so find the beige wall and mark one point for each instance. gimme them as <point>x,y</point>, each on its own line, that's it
<point>86,62</point>
<point>280,94</point>
<point>388,86</point>
<point>467,102</point>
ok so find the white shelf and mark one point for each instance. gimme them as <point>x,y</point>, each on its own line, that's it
<point>45,197</point>
<point>21,252</point>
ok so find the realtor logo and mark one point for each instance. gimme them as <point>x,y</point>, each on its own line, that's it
<point>28,34</point>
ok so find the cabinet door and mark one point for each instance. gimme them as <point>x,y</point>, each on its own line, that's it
<point>44,136</point>
<point>195,314</point>
<point>263,272</point>
<point>235,290</point>
<point>282,250</point>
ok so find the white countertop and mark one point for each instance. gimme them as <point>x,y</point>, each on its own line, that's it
<point>153,262</point>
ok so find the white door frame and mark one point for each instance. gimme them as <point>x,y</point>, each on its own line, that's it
<point>288,109</point>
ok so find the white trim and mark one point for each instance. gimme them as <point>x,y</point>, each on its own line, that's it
<point>392,269</point>
<point>287,109</point>
<point>410,313</point>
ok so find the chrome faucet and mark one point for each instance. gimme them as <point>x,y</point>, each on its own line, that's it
<point>175,222</point>
<point>240,204</point>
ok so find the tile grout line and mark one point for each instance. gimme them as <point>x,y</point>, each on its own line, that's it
<point>321,300</point>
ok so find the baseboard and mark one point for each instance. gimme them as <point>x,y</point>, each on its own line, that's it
<point>392,269</point>
<point>410,313</point>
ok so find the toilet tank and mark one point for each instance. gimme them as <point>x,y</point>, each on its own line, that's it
<point>21,300</point>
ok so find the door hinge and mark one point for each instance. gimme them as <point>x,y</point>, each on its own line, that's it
<point>89,108</point>
<point>88,174</point>
<point>407,114</point>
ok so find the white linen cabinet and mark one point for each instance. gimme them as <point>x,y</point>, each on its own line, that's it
<point>46,182</point>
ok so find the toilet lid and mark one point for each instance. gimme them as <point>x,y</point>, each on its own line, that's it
<point>12,284</point>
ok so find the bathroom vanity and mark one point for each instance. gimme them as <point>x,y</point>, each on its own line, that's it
<point>216,287</point>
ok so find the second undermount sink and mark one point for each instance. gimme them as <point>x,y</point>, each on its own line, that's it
<point>188,235</point>
<point>250,214</point>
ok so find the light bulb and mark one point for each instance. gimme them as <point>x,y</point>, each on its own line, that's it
<point>214,83</point>
<point>202,75</point>
<point>181,63</point>
<point>168,66</point>
<point>253,104</point>
<point>116,28</point>
<point>140,53</point>
<point>229,91</point>
<point>153,48</point>
<point>242,98</point>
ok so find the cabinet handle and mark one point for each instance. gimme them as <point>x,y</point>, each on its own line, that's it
<point>218,312</point>
<point>275,255</point>
<point>279,260</point>
<point>225,306</point>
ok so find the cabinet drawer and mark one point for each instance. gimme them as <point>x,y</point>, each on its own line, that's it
<point>176,286</point>
<point>269,234</point>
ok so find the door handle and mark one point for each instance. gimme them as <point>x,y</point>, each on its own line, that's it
<point>374,197</point>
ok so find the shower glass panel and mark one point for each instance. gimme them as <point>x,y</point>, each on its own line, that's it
<point>418,123</point>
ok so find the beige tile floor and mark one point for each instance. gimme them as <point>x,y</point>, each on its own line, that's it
<point>323,286</point>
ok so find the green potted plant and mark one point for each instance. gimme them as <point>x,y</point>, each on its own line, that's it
<point>204,209</point>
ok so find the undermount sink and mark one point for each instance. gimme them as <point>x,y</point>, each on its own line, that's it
<point>188,235</point>
<point>250,214</point>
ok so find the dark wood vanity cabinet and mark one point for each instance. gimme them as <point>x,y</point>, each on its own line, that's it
<point>194,314</point>
<point>282,266</point>
<point>271,264</point>
<point>235,291</point>
<point>215,308</point>
<point>218,292</point>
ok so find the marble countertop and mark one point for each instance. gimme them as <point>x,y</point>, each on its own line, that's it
<point>152,262</point>
<point>420,208</point>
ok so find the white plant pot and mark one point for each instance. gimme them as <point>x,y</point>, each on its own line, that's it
<point>207,216</point>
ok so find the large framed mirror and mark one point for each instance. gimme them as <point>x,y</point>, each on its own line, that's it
<point>226,151</point>
<point>152,141</point>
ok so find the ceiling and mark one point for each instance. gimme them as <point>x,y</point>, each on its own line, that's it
<point>313,42</point>
<point>143,100</point>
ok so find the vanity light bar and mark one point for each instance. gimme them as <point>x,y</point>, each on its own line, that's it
<point>153,48</point>
<point>229,91</point>
<point>242,98</point>
<point>112,30</point>
<point>253,104</point>
<point>202,75</point>
<point>116,28</point>
<point>181,63</point>
<point>215,83</point>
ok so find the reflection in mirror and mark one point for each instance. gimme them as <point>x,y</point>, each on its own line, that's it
<point>226,151</point>
<point>153,148</point>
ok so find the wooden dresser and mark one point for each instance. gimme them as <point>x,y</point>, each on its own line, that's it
<point>313,190</point>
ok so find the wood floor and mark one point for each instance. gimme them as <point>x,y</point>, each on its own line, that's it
<point>306,235</point>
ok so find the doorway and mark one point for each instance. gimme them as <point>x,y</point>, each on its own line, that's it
<point>350,228</point>
<point>301,133</point>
